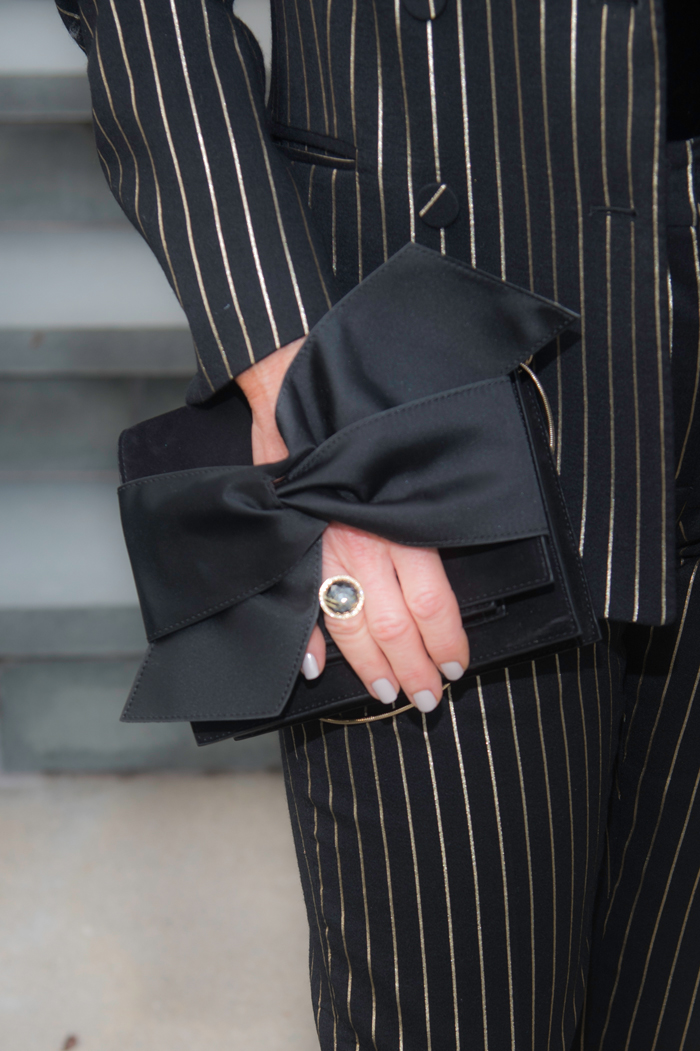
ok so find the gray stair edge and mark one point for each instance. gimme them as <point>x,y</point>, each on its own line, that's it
<point>45,98</point>
<point>109,352</point>
<point>72,632</point>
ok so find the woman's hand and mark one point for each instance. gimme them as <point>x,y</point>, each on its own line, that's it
<point>410,628</point>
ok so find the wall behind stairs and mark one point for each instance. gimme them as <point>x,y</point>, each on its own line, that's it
<point>92,340</point>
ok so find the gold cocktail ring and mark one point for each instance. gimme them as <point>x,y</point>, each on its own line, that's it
<point>341,597</point>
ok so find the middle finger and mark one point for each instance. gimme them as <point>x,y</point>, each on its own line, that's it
<point>394,630</point>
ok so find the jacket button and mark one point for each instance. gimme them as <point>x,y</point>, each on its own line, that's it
<point>437,205</point>
<point>425,9</point>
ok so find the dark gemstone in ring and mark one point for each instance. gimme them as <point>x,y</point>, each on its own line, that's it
<point>342,598</point>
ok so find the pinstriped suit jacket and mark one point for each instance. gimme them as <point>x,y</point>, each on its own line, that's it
<point>524,137</point>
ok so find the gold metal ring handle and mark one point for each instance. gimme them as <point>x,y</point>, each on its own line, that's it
<point>375,718</point>
<point>545,402</point>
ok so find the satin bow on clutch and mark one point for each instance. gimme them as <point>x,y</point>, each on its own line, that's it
<point>404,415</point>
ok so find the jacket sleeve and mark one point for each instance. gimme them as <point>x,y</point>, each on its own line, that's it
<point>178,91</point>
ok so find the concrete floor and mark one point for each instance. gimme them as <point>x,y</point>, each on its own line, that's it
<point>153,912</point>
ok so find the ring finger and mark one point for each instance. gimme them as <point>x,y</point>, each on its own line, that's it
<point>385,636</point>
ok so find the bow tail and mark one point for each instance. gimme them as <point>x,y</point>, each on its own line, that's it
<point>249,655</point>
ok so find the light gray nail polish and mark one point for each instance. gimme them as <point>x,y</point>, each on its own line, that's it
<point>452,670</point>
<point>425,701</point>
<point>309,667</point>
<point>384,691</point>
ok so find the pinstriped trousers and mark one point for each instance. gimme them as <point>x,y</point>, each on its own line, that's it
<point>519,870</point>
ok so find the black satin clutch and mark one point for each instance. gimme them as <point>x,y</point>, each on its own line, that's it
<point>406,413</point>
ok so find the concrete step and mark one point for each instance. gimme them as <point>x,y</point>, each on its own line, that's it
<point>152,914</point>
<point>70,275</point>
<point>51,173</point>
<point>69,633</point>
<point>63,715</point>
<point>35,353</point>
<point>45,99</point>
<point>33,41</point>
<point>61,546</point>
<point>66,428</point>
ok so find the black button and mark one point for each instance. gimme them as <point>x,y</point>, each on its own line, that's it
<point>425,9</point>
<point>437,205</point>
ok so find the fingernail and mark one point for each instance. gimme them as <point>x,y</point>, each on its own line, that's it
<point>425,701</point>
<point>384,691</point>
<point>309,667</point>
<point>452,670</point>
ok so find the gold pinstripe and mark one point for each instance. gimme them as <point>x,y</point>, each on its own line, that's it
<point>311,245</point>
<point>646,863</point>
<point>496,139</point>
<point>696,260</point>
<point>84,19</point>
<point>320,66</point>
<point>571,844</point>
<point>239,176</point>
<point>202,366</point>
<point>501,851</point>
<point>669,297</point>
<point>610,684</point>
<point>608,302</point>
<point>116,120</point>
<point>545,767</point>
<point>526,823</point>
<point>121,170</point>
<point>407,121</point>
<point>156,183</point>
<point>308,871</point>
<point>311,184</point>
<point>552,217</point>
<point>657,294</point>
<point>600,728</point>
<point>288,68</point>
<point>433,112</point>
<point>183,192</point>
<point>633,319</point>
<point>671,871</point>
<point>523,152</point>
<point>390,891</point>
<point>691,902</point>
<point>341,889</point>
<point>639,686</point>
<point>445,877</point>
<point>273,189</point>
<point>330,67</point>
<point>334,243</point>
<point>465,127</point>
<point>363,881</point>
<point>581,279</point>
<point>652,736</point>
<point>433,99</point>
<point>358,201</point>
<point>690,1013</point>
<point>380,133</point>
<point>584,735</point>
<point>416,882</point>
<point>329,957</point>
<point>302,55</point>
<point>106,169</point>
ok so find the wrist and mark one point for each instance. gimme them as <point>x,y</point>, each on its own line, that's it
<point>261,385</point>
